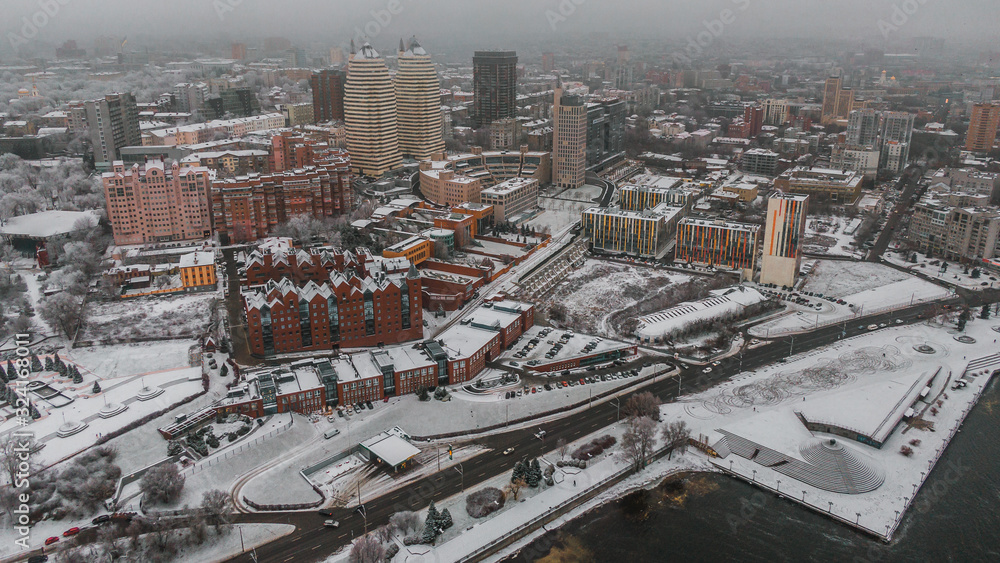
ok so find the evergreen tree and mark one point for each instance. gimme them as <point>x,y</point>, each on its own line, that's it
<point>534,474</point>
<point>77,378</point>
<point>519,472</point>
<point>446,521</point>
<point>433,516</point>
<point>36,364</point>
<point>986,312</point>
<point>11,370</point>
<point>97,388</point>
<point>48,364</point>
<point>34,413</point>
<point>3,375</point>
<point>430,532</point>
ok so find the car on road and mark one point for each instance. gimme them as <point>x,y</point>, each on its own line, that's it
<point>71,532</point>
<point>326,512</point>
<point>101,519</point>
<point>883,325</point>
<point>508,451</point>
<point>331,524</point>
<point>707,370</point>
<point>52,540</point>
<point>716,364</point>
<point>899,321</point>
<point>872,327</point>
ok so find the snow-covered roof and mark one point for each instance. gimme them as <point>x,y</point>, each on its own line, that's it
<point>46,224</point>
<point>723,301</point>
<point>197,259</point>
<point>391,448</point>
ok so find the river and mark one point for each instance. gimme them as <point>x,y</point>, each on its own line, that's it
<point>710,517</point>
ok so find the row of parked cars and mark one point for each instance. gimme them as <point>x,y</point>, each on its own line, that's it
<point>123,517</point>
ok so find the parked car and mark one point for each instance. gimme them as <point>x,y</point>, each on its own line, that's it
<point>101,519</point>
<point>52,540</point>
<point>369,403</point>
<point>71,532</point>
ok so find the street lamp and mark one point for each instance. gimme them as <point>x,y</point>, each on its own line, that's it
<point>754,475</point>
<point>461,471</point>
<point>830,509</point>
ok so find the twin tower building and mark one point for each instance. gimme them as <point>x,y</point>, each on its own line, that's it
<point>388,118</point>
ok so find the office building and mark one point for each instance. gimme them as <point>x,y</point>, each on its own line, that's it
<point>370,113</point>
<point>247,208</point>
<point>956,227</point>
<point>456,179</point>
<point>494,86</point>
<point>759,161</point>
<point>113,123</point>
<point>776,112</point>
<point>418,103</point>
<point>783,234</point>
<point>605,133</point>
<point>511,198</point>
<point>328,95</point>
<point>718,243</point>
<point>839,186</point>
<point>983,125</point>
<point>569,140</point>
<point>863,128</point>
<point>155,203</point>
<point>635,233</point>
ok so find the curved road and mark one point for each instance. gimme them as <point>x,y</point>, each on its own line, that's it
<point>312,542</point>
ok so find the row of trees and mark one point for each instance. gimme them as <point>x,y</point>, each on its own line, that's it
<point>640,437</point>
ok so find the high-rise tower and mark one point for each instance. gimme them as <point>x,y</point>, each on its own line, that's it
<point>495,86</point>
<point>418,103</point>
<point>370,114</point>
<point>569,140</point>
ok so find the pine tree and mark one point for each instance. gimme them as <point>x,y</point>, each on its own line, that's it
<point>77,377</point>
<point>534,474</point>
<point>34,413</point>
<point>97,388</point>
<point>11,370</point>
<point>518,472</point>
<point>446,521</point>
<point>986,312</point>
<point>48,365</point>
<point>3,375</point>
<point>430,532</point>
<point>433,516</point>
<point>36,364</point>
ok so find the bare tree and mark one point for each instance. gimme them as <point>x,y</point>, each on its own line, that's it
<point>563,447</point>
<point>62,311</point>
<point>638,441</point>
<point>515,486</point>
<point>405,522</point>
<point>11,448</point>
<point>384,533</point>
<point>367,550</point>
<point>675,435</point>
<point>216,507</point>
<point>643,404</point>
<point>162,484</point>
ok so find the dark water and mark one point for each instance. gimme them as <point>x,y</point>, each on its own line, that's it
<point>700,517</point>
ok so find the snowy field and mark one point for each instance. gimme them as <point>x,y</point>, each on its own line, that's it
<point>148,317</point>
<point>558,214</point>
<point>830,235</point>
<point>760,403</point>
<point>869,287</point>
<point>124,360</point>
<point>231,544</point>
<point>955,274</point>
<point>594,292</point>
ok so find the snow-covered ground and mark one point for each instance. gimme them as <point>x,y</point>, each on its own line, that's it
<point>232,543</point>
<point>869,287</point>
<point>558,214</point>
<point>830,235</point>
<point>600,288</point>
<point>148,317</point>
<point>124,360</point>
<point>955,274</point>
<point>757,403</point>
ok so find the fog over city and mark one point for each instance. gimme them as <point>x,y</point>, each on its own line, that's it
<point>475,23</point>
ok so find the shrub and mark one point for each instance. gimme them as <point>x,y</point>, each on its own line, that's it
<point>162,484</point>
<point>594,448</point>
<point>484,502</point>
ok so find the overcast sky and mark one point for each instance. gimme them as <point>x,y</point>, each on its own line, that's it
<point>500,22</point>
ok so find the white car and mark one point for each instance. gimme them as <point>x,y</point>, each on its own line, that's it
<point>707,370</point>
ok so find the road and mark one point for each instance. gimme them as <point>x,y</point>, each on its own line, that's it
<point>312,542</point>
<point>912,180</point>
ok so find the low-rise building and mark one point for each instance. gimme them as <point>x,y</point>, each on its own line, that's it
<point>759,161</point>
<point>636,233</point>
<point>512,198</point>
<point>839,186</point>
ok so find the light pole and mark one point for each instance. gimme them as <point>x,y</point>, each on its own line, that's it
<point>618,409</point>
<point>778,488</point>
<point>364,515</point>
<point>830,510</point>
<point>858,521</point>
<point>754,475</point>
<point>461,471</point>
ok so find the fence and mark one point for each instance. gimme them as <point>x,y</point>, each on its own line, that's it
<point>283,507</point>
<point>558,510</point>
<point>232,452</point>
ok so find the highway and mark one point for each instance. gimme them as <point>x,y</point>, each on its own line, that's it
<point>312,542</point>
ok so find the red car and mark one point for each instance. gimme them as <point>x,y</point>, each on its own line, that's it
<point>52,540</point>
<point>71,532</point>
<point>582,382</point>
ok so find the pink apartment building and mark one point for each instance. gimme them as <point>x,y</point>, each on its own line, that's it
<point>153,203</point>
